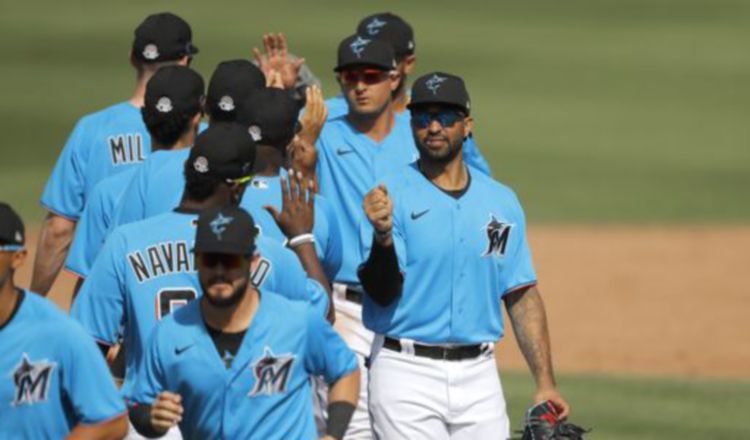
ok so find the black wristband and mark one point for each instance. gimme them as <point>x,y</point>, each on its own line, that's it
<point>339,415</point>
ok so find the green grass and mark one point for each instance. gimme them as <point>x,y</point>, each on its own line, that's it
<point>644,409</point>
<point>595,111</point>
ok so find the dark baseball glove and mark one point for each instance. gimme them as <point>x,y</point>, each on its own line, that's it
<point>542,423</point>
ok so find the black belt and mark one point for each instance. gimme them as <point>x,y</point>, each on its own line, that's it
<point>353,295</point>
<point>457,353</point>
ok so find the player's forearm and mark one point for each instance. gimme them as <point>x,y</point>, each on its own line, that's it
<point>53,245</point>
<point>380,275</point>
<point>342,398</point>
<point>114,429</point>
<point>529,320</point>
<point>314,269</point>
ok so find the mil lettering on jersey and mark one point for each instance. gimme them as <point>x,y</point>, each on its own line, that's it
<point>32,381</point>
<point>497,237</point>
<point>126,149</point>
<point>271,373</point>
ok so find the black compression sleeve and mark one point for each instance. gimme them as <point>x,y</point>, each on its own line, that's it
<point>140,417</point>
<point>380,275</point>
<point>339,416</point>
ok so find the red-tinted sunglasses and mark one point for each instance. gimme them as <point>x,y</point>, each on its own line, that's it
<point>367,76</point>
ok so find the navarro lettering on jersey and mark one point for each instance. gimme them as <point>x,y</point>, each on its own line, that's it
<point>126,148</point>
<point>271,373</point>
<point>497,237</point>
<point>32,381</point>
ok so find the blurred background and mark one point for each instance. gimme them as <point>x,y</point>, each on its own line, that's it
<point>622,125</point>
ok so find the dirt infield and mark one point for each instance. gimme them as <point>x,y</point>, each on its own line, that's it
<point>634,300</point>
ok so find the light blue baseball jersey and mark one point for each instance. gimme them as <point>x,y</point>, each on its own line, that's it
<point>95,222</point>
<point>101,144</point>
<point>337,106</point>
<point>146,269</point>
<point>349,165</point>
<point>52,375</point>
<point>266,392</point>
<point>158,186</point>
<point>459,257</point>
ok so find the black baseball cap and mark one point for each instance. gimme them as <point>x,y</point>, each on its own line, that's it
<point>175,88</point>
<point>232,83</point>
<point>12,232</point>
<point>271,117</point>
<point>163,37</point>
<point>225,230</point>
<point>358,50</point>
<point>440,88</point>
<point>224,150</point>
<point>390,28</point>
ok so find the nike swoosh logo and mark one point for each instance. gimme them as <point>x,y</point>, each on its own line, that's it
<point>179,350</point>
<point>342,152</point>
<point>416,215</point>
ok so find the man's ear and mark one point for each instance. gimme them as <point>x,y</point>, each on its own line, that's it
<point>395,79</point>
<point>410,63</point>
<point>184,61</point>
<point>468,126</point>
<point>19,257</point>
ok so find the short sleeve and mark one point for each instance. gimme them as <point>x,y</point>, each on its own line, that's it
<point>100,305</point>
<point>90,233</point>
<point>518,269</point>
<point>473,157</point>
<point>64,193</point>
<point>327,354</point>
<point>86,380</point>
<point>150,379</point>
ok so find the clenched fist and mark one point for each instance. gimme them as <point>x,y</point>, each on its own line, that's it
<point>379,210</point>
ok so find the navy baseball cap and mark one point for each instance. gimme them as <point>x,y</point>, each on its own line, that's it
<point>224,150</point>
<point>163,37</point>
<point>226,230</point>
<point>12,232</point>
<point>357,50</point>
<point>440,88</point>
<point>390,28</point>
<point>271,117</point>
<point>175,88</point>
<point>232,83</point>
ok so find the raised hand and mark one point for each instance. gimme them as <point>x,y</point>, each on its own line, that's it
<point>297,214</point>
<point>315,114</point>
<point>379,210</point>
<point>276,57</point>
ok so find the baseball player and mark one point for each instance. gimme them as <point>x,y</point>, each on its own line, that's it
<point>145,269</point>
<point>226,366</point>
<point>232,83</point>
<point>105,143</point>
<point>443,245</point>
<point>395,31</point>
<point>53,381</point>
<point>172,111</point>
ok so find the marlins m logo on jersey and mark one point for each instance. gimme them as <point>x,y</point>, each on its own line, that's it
<point>358,45</point>
<point>497,237</point>
<point>32,381</point>
<point>219,224</point>
<point>271,373</point>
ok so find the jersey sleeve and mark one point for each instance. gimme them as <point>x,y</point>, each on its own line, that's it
<point>100,305</point>
<point>86,380</point>
<point>327,354</point>
<point>132,205</point>
<point>328,237</point>
<point>64,193</point>
<point>89,235</point>
<point>473,157</point>
<point>518,269</point>
<point>150,378</point>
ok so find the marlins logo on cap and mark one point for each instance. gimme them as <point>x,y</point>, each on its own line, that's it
<point>219,224</point>
<point>358,45</point>
<point>150,52</point>
<point>434,83</point>
<point>373,27</point>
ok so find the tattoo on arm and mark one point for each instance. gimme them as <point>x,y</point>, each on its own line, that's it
<point>529,320</point>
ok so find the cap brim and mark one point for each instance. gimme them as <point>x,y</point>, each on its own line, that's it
<point>227,248</point>
<point>412,105</point>
<point>384,67</point>
<point>192,50</point>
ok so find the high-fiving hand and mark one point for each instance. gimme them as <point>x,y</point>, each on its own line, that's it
<point>276,59</point>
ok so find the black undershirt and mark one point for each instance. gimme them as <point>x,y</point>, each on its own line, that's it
<point>21,295</point>
<point>227,344</point>
<point>455,193</point>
